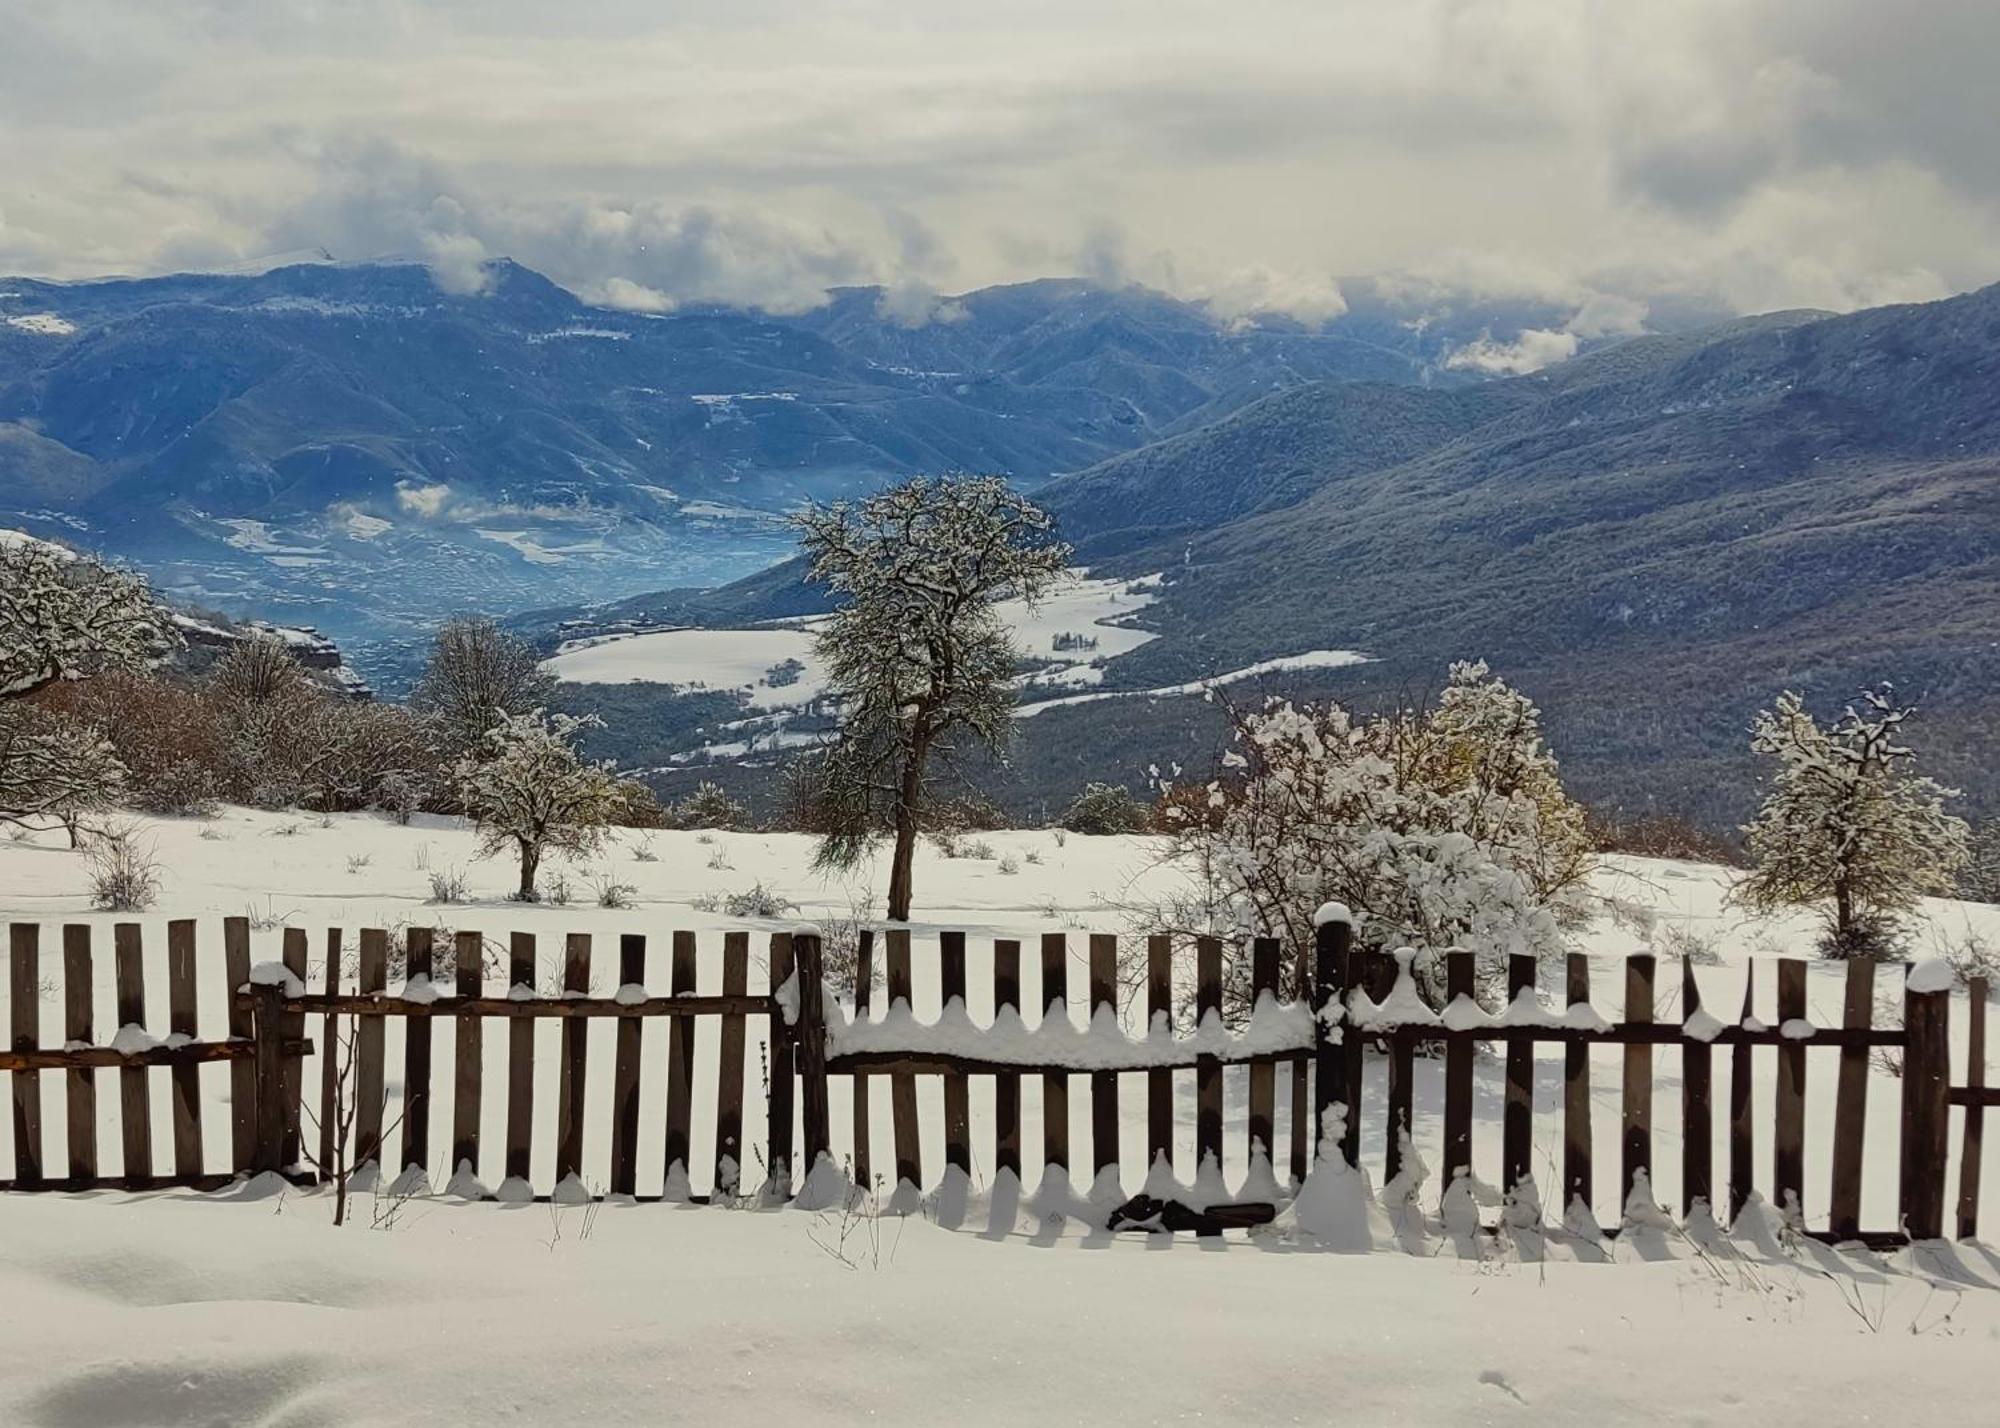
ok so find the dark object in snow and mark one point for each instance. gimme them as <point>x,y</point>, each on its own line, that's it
<point>1144,1212</point>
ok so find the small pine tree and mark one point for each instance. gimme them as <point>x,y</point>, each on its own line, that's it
<point>1845,827</point>
<point>533,793</point>
<point>1105,808</point>
<point>709,807</point>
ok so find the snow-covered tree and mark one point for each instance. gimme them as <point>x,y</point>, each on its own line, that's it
<point>709,806</point>
<point>64,616</point>
<point>477,676</point>
<point>1444,828</point>
<point>532,793</point>
<point>1846,826</point>
<point>54,766</point>
<point>914,652</point>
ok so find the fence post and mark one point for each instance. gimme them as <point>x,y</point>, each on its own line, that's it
<point>1926,1108</point>
<point>1333,935</point>
<point>267,1032</point>
<point>811,1033</point>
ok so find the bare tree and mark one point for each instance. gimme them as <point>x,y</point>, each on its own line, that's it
<point>478,675</point>
<point>915,652</point>
<point>64,616</point>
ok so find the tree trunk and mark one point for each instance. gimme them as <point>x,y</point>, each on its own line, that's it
<point>1843,917</point>
<point>907,799</point>
<point>531,861</point>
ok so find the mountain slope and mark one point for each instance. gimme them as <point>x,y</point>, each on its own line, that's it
<point>354,446</point>
<point>1654,540</point>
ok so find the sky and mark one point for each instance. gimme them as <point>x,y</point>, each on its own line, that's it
<point>1251,154</point>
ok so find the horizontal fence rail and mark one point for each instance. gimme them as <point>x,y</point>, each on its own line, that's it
<point>462,1103</point>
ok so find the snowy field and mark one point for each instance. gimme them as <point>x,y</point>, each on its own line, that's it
<point>977,1309</point>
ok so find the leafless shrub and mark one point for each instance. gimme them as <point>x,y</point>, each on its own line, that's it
<point>757,901</point>
<point>124,874</point>
<point>448,885</point>
<point>609,892</point>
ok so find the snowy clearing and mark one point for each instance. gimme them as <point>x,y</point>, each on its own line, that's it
<point>240,1306</point>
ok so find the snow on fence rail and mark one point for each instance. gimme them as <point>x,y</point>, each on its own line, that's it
<point>1341,1003</point>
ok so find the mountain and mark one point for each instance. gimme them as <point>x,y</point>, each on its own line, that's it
<point>1654,540</point>
<point>354,447</point>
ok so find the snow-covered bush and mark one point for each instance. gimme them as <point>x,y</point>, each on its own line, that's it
<point>757,901</point>
<point>1105,808</point>
<point>54,766</point>
<point>64,616</point>
<point>612,893</point>
<point>448,885</point>
<point>1010,865</point>
<point>1443,828</point>
<point>1979,881</point>
<point>124,875</point>
<point>710,807</point>
<point>533,793</point>
<point>1845,828</point>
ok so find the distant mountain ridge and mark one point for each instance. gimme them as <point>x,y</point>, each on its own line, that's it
<point>354,447</point>
<point>1653,539</point>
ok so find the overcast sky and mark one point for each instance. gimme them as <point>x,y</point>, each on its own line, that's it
<point>1769,153</point>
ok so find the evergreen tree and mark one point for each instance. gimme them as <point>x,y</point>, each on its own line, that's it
<point>1845,826</point>
<point>915,653</point>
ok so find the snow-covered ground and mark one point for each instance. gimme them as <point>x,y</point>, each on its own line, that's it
<point>180,1308</point>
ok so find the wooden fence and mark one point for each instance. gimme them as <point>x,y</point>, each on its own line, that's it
<point>1317,1032</point>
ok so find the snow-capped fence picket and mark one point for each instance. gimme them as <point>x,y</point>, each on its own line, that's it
<point>132,1051</point>
<point>1350,1024</point>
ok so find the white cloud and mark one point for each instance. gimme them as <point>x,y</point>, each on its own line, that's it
<point>1767,152</point>
<point>418,499</point>
<point>1533,350</point>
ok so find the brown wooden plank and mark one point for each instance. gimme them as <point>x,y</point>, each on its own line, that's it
<point>242,1074</point>
<point>1697,1104</point>
<point>135,1100</point>
<point>1788,1128</point>
<point>1159,1083</point>
<point>25,1001</point>
<point>1360,970</point>
<point>729,1166</point>
<point>957,1088</point>
<point>815,1112</point>
<point>1007,1084</point>
<point>468,1054</point>
<point>1636,1139</point>
<point>1402,1103</point>
<point>1579,1181</point>
<point>680,1069</point>
<point>417,962</point>
<point>1972,1148</point>
<point>1302,1111</point>
<point>520,1064</point>
<point>1742,1142</point>
<point>575,1063</point>
<point>1926,1112</point>
<point>779,1121</point>
<point>370,1085</point>
<point>1055,1088</point>
<point>1458,982</point>
<point>903,1085</point>
<point>625,1071</point>
<point>1263,1110</point>
<point>1208,1070</point>
<point>329,1064</point>
<point>292,1028</point>
<point>79,1027</point>
<point>1517,1130</point>
<point>267,1018</point>
<point>1850,1104</point>
<point>1332,941</point>
<point>110,1058</point>
<point>1104,1084</point>
<point>184,1081</point>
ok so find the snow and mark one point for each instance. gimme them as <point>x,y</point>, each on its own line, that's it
<point>701,659</point>
<point>1311,659</point>
<point>522,543</point>
<point>1931,975</point>
<point>1332,912</point>
<point>42,324</point>
<point>248,1306</point>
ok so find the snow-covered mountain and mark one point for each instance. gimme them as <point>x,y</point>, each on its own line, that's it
<point>354,448</point>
